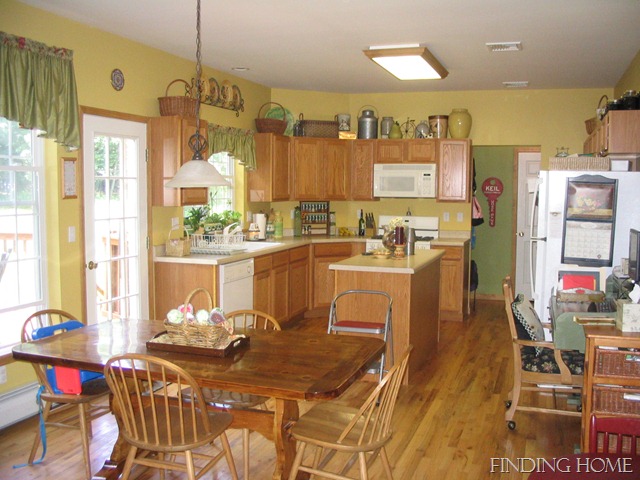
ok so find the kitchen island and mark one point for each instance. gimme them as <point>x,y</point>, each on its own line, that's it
<point>414,285</point>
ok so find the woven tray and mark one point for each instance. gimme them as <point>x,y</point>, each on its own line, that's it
<point>580,163</point>
<point>319,128</point>
<point>163,343</point>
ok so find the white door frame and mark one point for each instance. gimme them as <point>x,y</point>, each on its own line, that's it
<point>117,124</point>
<point>526,168</point>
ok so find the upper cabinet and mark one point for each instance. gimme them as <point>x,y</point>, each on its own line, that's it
<point>168,150</point>
<point>363,156</point>
<point>619,132</point>
<point>270,181</point>
<point>454,171</point>
<point>321,168</point>
<point>421,150</point>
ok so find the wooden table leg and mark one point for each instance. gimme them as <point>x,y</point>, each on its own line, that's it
<point>286,414</point>
<point>113,466</point>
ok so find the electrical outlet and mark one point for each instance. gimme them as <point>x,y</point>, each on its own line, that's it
<point>175,222</point>
<point>3,374</point>
<point>460,216</point>
<point>445,216</point>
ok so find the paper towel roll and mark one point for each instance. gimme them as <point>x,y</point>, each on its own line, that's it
<point>261,220</point>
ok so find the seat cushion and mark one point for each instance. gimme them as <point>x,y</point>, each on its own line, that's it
<point>528,324</point>
<point>545,362</point>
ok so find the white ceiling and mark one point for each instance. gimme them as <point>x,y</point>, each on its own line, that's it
<point>317,44</point>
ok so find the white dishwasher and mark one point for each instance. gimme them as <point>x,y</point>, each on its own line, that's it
<point>236,285</point>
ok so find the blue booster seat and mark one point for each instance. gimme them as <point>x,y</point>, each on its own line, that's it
<point>65,379</point>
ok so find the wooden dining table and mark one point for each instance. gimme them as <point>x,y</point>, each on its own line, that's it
<point>289,366</point>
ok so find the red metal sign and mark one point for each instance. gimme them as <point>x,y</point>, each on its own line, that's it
<point>492,188</point>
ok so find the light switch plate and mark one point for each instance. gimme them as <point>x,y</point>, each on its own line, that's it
<point>445,216</point>
<point>3,374</point>
<point>72,234</point>
<point>460,216</point>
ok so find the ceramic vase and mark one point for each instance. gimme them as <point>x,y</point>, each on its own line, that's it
<point>459,123</point>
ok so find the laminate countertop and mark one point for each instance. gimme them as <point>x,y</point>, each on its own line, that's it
<point>409,264</point>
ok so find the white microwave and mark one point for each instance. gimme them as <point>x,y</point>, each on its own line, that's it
<point>411,180</point>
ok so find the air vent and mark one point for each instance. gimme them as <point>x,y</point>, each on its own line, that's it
<point>521,84</point>
<point>504,46</point>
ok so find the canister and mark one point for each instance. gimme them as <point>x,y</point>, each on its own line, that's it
<point>438,125</point>
<point>385,126</point>
<point>367,124</point>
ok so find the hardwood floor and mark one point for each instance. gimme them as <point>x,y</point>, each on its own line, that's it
<point>449,423</point>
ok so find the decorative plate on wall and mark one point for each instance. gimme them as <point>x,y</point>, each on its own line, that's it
<point>117,79</point>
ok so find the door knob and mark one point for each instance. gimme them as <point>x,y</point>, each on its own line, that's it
<point>520,234</point>
<point>92,265</point>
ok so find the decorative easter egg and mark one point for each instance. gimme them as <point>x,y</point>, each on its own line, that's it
<point>217,316</point>
<point>175,316</point>
<point>202,317</point>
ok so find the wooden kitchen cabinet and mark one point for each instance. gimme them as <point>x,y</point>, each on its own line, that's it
<point>454,171</point>
<point>270,181</point>
<point>619,133</point>
<point>414,150</point>
<point>174,281</point>
<point>299,269</point>
<point>324,254</point>
<point>271,285</point>
<point>168,150</point>
<point>363,156</point>
<point>321,168</point>
<point>611,375</point>
<point>454,282</point>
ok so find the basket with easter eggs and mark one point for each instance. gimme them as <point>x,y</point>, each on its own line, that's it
<point>202,331</point>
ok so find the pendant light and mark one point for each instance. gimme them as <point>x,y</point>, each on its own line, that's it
<point>197,172</point>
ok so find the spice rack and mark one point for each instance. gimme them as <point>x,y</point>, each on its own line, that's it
<point>315,218</point>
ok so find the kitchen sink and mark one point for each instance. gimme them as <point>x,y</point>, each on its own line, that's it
<point>253,246</point>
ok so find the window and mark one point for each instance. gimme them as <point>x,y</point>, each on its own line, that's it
<point>221,198</point>
<point>21,228</point>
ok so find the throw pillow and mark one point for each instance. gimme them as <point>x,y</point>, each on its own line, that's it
<point>527,322</point>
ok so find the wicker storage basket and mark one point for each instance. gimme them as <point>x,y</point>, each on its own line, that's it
<point>178,105</point>
<point>591,125</point>
<point>580,163</point>
<point>319,128</point>
<point>617,363</point>
<point>193,334</point>
<point>271,125</point>
<point>178,247</point>
<point>618,400</point>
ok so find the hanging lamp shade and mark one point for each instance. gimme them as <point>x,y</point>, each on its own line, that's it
<point>197,173</point>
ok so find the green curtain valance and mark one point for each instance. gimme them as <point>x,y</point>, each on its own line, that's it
<point>38,88</point>
<point>238,143</point>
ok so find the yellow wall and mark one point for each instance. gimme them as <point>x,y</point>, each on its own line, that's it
<point>550,118</point>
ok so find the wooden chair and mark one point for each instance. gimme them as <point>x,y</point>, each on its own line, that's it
<point>618,435</point>
<point>345,323</point>
<point>246,319</point>
<point>357,432</point>
<point>546,372</point>
<point>163,420</point>
<point>58,405</point>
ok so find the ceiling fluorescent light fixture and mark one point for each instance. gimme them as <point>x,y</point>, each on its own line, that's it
<point>407,62</point>
<point>197,172</point>
<point>518,84</point>
<point>504,46</point>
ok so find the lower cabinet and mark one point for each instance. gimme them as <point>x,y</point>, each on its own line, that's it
<point>174,281</point>
<point>454,283</point>
<point>298,281</point>
<point>324,254</point>
<point>271,285</point>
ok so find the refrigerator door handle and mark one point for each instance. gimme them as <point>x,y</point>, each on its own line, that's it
<point>534,238</point>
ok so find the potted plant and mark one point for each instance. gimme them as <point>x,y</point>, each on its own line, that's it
<point>195,218</point>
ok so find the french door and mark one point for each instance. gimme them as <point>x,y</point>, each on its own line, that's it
<point>115,201</point>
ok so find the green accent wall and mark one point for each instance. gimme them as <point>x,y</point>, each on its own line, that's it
<point>493,246</point>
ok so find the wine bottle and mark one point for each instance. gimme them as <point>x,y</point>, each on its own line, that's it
<point>361,226</point>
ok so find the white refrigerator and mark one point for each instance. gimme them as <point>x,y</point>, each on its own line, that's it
<point>580,226</point>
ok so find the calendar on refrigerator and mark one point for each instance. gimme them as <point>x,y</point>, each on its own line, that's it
<point>589,226</point>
